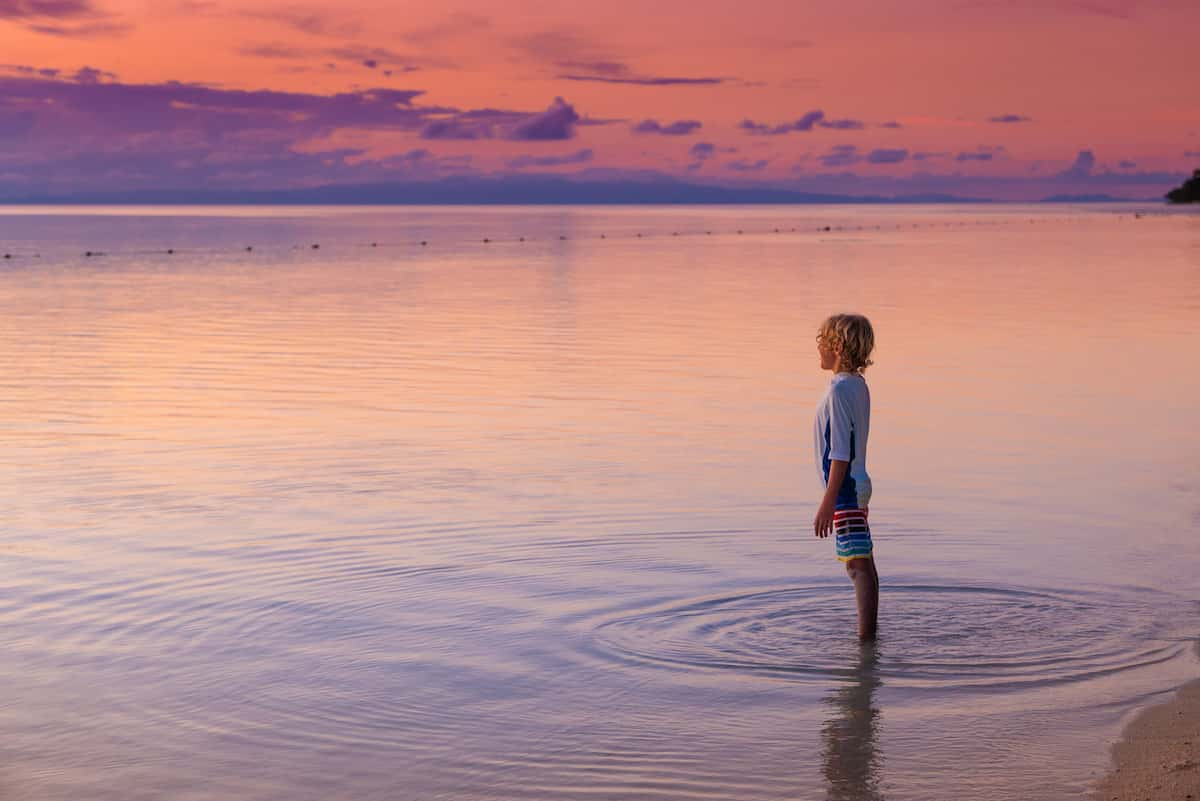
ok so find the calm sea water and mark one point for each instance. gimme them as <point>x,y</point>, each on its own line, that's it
<point>532,519</point>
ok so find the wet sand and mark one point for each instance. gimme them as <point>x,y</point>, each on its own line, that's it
<point>1158,757</point>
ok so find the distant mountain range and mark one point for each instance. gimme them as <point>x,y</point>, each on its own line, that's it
<point>510,190</point>
<point>1094,198</point>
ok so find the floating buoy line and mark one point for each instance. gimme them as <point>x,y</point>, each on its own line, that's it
<point>489,240</point>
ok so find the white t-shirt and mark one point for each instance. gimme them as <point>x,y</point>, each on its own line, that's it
<point>840,432</point>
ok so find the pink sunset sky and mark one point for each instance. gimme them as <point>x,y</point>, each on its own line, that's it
<point>979,98</point>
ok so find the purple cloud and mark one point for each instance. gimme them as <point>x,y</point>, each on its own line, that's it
<point>600,120</point>
<point>25,69</point>
<point>83,108</point>
<point>1085,160</point>
<point>842,125</point>
<point>371,57</point>
<point>804,123</point>
<point>92,75</point>
<point>83,30</point>
<point>887,156</point>
<point>643,80</point>
<point>981,153</point>
<point>56,9</point>
<point>60,134</point>
<point>703,151</point>
<point>1125,164</point>
<point>456,129</point>
<point>1009,118</point>
<point>273,50</point>
<point>81,75</point>
<point>578,157</point>
<point>609,71</point>
<point>744,165</point>
<point>1191,154</point>
<point>840,156</point>
<point>928,156</point>
<point>556,122</point>
<point>890,124</point>
<point>66,18</point>
<point>678,128</point>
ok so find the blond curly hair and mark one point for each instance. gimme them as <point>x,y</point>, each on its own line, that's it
<point>852,336</point>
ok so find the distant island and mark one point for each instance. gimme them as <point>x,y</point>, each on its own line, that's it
<point>1189,192</point>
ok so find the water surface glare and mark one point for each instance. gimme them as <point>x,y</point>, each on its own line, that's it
<point>530,518</point>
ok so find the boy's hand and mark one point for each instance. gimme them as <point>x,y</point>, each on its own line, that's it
<point>823,522</point>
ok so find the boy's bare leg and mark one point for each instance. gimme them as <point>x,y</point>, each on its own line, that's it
<point>866,590</point>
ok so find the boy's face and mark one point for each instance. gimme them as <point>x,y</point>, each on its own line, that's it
<point>829,356</point>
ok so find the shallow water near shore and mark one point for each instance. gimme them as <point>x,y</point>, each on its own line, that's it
<point>532,519</point>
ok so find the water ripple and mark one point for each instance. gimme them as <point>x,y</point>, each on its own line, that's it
<point>943,636</point>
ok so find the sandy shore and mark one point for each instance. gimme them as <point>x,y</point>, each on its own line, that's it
<point>1158,758</point>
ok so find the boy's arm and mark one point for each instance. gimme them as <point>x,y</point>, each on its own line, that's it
<point>823,522</point>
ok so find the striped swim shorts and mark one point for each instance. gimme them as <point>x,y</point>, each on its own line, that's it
<point>851,534</point>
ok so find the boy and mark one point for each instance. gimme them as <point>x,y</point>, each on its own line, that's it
<point>844,343</point>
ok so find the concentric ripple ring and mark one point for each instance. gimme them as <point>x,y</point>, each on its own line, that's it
<point>931,635</point>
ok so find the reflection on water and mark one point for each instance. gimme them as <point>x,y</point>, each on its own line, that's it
<point>852,762</point>
<point>526,520</point>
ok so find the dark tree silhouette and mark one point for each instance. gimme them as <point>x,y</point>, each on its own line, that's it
<point>1189,192</point>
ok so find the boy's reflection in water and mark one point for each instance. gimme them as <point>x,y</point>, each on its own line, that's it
<point>851,763</point>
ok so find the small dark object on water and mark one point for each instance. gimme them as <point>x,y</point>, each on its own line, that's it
<point>315,246</point>
<point>249,248</point>
<point>827,228</point>
<point>639,236</point>
<point>561,237</point>
<point>374,244</point>
<point>739,230</point>
<point>522,239</point>
<point>170,251</point>
<point>486,240</point>
<point>423,242</point>
<point>602,236</point>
